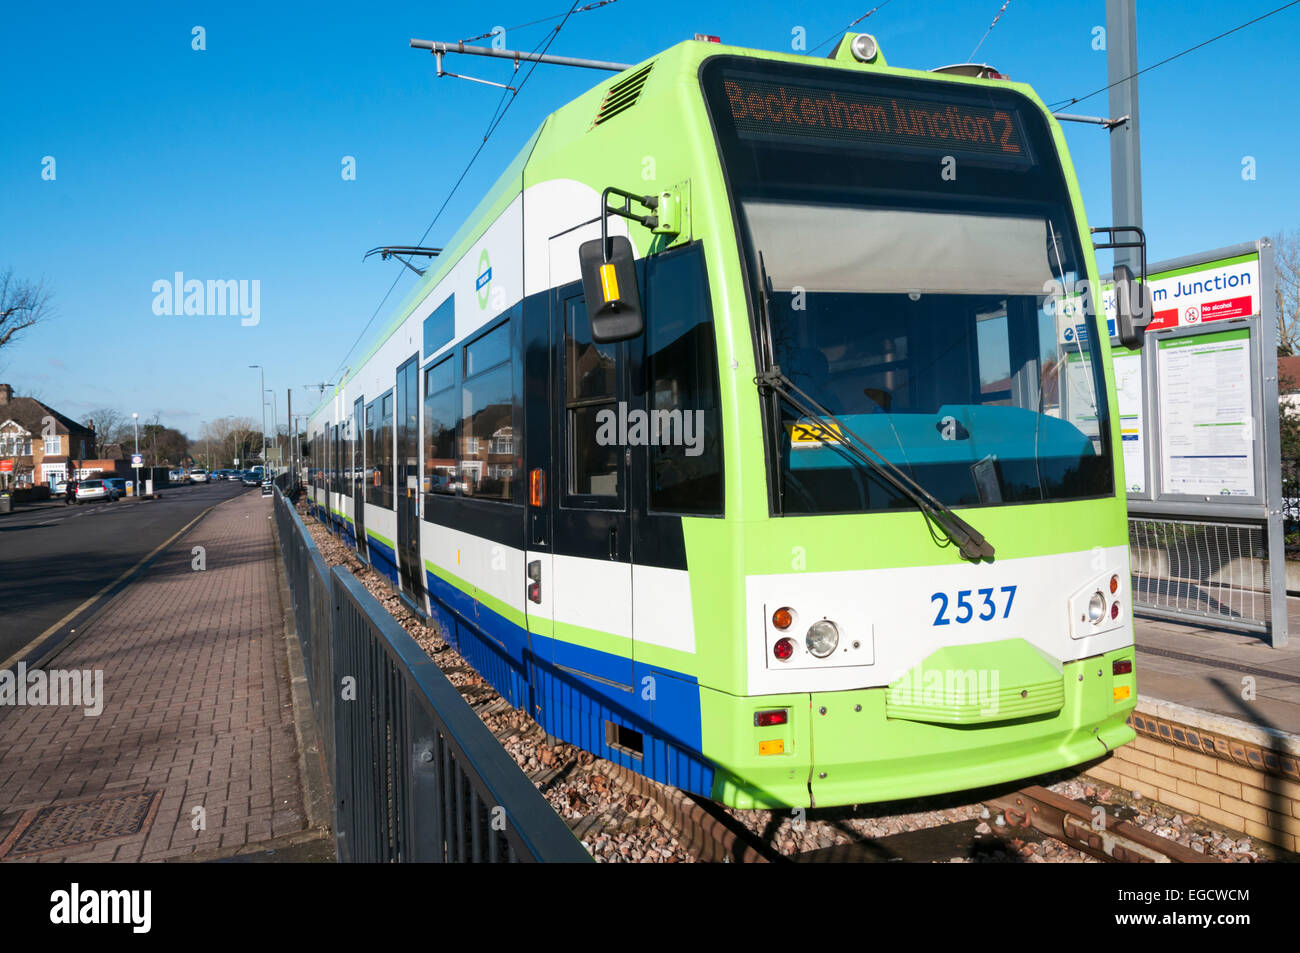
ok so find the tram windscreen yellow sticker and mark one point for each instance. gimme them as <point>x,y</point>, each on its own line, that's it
<point>809,434</point>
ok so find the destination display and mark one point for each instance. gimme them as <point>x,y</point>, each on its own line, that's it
<point>1207,432</point>
<point>789,109</point>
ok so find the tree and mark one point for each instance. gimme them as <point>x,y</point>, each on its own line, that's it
<point>1286,267</point>
<point>162,446</point>
<point>231,439</point>
<point>22,305</point>
<point>111,426</point>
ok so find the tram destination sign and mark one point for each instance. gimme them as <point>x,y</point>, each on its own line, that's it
<point>787,110</point>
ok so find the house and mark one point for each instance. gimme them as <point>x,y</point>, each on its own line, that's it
<point>1288,382</point>
<point>39,445</point>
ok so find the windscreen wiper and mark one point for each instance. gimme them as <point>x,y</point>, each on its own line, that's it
<point>970,543</point>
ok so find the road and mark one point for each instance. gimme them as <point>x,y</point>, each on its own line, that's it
<point>54,558</point>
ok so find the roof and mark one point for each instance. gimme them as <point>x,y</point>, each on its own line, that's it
<point>30,413</point>
<point>1288,367</point>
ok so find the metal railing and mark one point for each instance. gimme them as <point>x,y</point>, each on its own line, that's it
<point>1213,570</point>
<point>415,774</point>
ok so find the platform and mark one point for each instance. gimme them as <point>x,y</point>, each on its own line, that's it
<point>1218,729</point>
<point>1204,667</point>
<point>188,749</point>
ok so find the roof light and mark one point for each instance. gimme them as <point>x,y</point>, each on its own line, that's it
<point>708,38</point>
<point>864,47</point>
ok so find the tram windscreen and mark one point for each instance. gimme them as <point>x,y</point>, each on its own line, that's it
<point>910,243</point>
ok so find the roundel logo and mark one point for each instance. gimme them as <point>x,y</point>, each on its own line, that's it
<point>1068,335</point>
<point>483,284</point>
<point>1192,315</point>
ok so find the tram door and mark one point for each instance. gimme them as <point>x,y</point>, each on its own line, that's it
<point>407,479</point>
<point>336,474</point>
<point>357,484</point>
<point>592,584</point>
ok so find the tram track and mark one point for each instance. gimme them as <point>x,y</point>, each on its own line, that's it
<point>623,816</point>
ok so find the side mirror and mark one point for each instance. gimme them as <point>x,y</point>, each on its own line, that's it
<point>1132,307</point>
<point>609,283</point>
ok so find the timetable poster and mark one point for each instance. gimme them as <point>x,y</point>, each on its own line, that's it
<point>1080,401</point>
<point>1207,433</point>
<point>1128,390</point>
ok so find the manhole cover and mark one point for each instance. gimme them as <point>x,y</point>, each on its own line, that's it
<point>79,822</point>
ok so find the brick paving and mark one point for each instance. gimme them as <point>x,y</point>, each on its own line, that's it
<point>197,704</point>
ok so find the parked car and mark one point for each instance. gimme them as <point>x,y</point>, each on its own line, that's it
<point>199,475</point>
<point>88,490</point>
<point>117,483</point>
<point>60,489</point>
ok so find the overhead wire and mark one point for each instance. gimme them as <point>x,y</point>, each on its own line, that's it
<point>524,26</point>
<point>498,115</point>
<point>971,58</point>
<point>836,36</point>
<point>1169,59</point>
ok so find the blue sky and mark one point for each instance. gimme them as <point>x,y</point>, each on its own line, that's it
<point>225,163</point>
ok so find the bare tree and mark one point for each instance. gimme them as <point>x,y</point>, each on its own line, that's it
<point>233,438</point>
<point>22,305</point>
<point>111,426</point>
<point>1286,264</point>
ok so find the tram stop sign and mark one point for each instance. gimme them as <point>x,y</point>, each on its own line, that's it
<point>137,460</point>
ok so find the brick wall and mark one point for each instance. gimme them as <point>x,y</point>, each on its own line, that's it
<point>1230,773</point>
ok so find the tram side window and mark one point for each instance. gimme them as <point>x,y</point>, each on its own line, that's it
<point>349,460</point>
<point>384,453</point>
<point>685,469</point>
<point>336,462</point>
<point>371,441</point>
<point>440,416</point>
<point>487,443</point>
<point>591,386</point>
<point>358,434</point>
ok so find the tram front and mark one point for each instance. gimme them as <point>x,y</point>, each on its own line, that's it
<point>944,567</point>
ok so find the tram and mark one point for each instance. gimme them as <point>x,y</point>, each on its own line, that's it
<point>743,435</point>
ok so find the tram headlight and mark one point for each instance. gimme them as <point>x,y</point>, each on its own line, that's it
<point>1096,608</point>
<point>823,638</point>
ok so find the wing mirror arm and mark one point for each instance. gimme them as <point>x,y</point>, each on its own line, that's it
<point>1132,296</point>
<point>608,267</point>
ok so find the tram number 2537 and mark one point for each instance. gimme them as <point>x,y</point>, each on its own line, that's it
<point>964,608</point>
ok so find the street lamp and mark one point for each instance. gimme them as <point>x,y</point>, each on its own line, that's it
<point>135,422</point>
<point>261,396</point>
<point>275,416</point>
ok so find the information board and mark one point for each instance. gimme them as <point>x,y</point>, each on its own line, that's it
<point>1207,431</point>
<point>1128,388</point>
<point>1214,291</point>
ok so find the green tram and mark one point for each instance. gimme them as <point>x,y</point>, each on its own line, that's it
<point>743,438</point>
